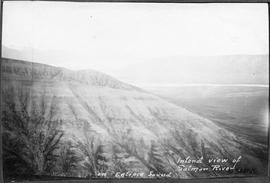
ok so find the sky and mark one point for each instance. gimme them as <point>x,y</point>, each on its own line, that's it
<point>123,39</point>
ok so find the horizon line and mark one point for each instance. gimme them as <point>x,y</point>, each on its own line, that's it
<point>201,84</point>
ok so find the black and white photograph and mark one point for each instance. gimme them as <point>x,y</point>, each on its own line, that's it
<point>105,90</point>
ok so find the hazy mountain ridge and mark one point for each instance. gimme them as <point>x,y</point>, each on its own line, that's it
<point>117,113</point>
<point>220,69</point>
<point>21,70</point>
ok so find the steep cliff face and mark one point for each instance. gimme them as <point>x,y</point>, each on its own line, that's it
<point>117,113</point>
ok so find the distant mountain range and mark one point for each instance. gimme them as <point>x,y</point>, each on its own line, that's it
<point>218,69</point>
<point>117,112</point>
